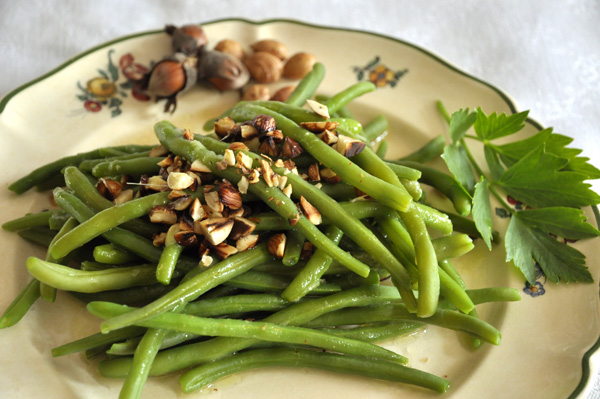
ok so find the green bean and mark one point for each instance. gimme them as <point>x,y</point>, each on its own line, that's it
<point>348,281</point>
<point>307,86</point>
<point>434,218</point>
<point>30,220</point>
<point>293,247</point>
<point>112,255</point>
<point>264,282</point>
<point>172,138</point>
<point>96,340</point>
<point>58,219</point>
<point>390,312</point>
<point>295,357</point>
<point>47,292</point>
<point>297,314</point>
<point>382,149</point>
<point>194,287</point>
<point>352,227</point>
<point>168,258</point>
<point>413,187</point>
<point>37,235</point>
<point>378,332</point>
<point>68,279</point>
<point>454,292</point>
<point>467,226</point>
<point>125,149</point>
<point>451,271</point>
<point>134,296</point>
<point>134,167</point>
<point>88,164</point>
<point>445,184</point>
<point>250,329</point>
<point>430,151</point>
<point>376,128</point>
<point>343,112</point>
<point>310,276</point>
<point>54,181</point>
<point>21,304</point>
<point>452,246</point>
<point>105,220</point>
<point>382,191</point>
<point>345,96</point>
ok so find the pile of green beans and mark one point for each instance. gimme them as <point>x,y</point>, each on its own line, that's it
<point>167,307</point>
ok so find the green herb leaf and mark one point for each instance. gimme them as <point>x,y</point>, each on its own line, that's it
<point>482,211</point>
<point>456,158</point>
<point>460,122</point>
<point>537,180</point>
<point>581,165</point>
<point>491,157</point>
<point>493,126</point>
<point>558,261</point>
<point>561,221</point>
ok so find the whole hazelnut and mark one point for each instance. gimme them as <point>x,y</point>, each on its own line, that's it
<point>187,39</point>
<point>255,92</point>
<point>231,47</point>
<point>274,47</point>
<point>264,67</point>
<point>222,70</point>
<point>283,94</point>
<point>298,65</point>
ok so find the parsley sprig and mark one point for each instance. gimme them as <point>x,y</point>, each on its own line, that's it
<point>539,171</point>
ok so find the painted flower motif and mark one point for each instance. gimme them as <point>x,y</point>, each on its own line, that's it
<point>534,290</point>
<point>379,74</point>
<point>101,88</point>
<point>92,106</point>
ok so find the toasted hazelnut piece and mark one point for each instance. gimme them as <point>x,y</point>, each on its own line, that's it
<point>328,137</point>
<point>313,172</point>
<point>319,126</point>
<point>307,250</point>
<point>162,214</point>
<point>243,160</point>
<point>188,135</point>
<point>123,197</point>
<point>229,195</point>
<point>198,166</point>
<point>197,211</point>
<point>186,223</point>
<point>264,123</point>
<point>182,203</point>
<point>206,260</point>
<point>241,228</point>
<point>279,163</point>
<point>267,172</point>
<point>243,185</point>
<point>224,250</point>
<point>232,47</point>
<point>109,188</point>
<point>329,176</point>
<point>268,147</point>
<point>275,180</point>
<point>215,230</point>
<point>245,243</point>
<point>166,162</point>
<point>158,151</point>
<point>289,165</point>
<point>213,201</point>
<point>179,181</point>
<point>348,146</point>
<point>299,65</point>
<point>264,67</point>
<point>238,146</point>
<point>157,183</point>
<point>221,165</point>
<point>282,182</point>
<point>271,46</point>
<point>288,190</point>
<point>283,94</point>
<point>291,148</point>
<point>158,239</point>
<point>257,91</point>
<point>276,244</point>
<point>310,211</point>
<point>240,212</point>
<point>229,157</point>
<point>248,132</point>
<point>186,238</point>
<point>318,108</point>
<point>224,126</point>
<point>254,176</point>
<point>276,135</point>
<point>293,221</point>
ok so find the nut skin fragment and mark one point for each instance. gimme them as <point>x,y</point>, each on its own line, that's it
<point>276,245</point>
<point>162,214</point>
<point>229,195</point>
<point>271,46</point>
<point>283,94</point>
<point>158,239</point>
<point>215,230</point>
<point>319,126</point>
<point>310,211</point>
<point>291,148</point>
<point>276,135</point>
<point>256,92</point>
<point>328,137</point>
<point>264,67</point>
<point>299,65</point>
<point>269,147</point>
<point>109,188</point>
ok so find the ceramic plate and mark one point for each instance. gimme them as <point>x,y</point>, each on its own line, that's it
<point>88,102</point>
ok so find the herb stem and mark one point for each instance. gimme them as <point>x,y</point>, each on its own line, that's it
<point>472,159</point>
<point>500,199</point>
<point>443,111</point>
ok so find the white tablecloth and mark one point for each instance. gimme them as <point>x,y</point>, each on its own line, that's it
<point>545,54</point>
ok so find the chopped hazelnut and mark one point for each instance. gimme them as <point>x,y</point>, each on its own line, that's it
<point>310,211</point>
<point>276,245</point>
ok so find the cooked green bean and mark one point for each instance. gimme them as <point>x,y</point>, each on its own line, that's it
<point>293,247</point>
<point>430,151</point>
<point>376,128</point>
<point>382,149</point>
<point>30,220</point>
<point>96,340</point>
<point>377,332</point>
<point>88,164</point>
<point>434,218</point>
<point>307,86</point>
<point>58,219</point>
<point>133,167</point>
<point>37,235</point>
<point>249,329</point>
<point>296,357</point>
<point>342,98</point>
<point>47,292</point>
<point>21,304</point>
<point>168,258</point>
<point>112,255</point>
<point>452,246</point>
<point>264,282</point>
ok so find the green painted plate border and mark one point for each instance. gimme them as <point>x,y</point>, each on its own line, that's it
<point>585,363</point>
